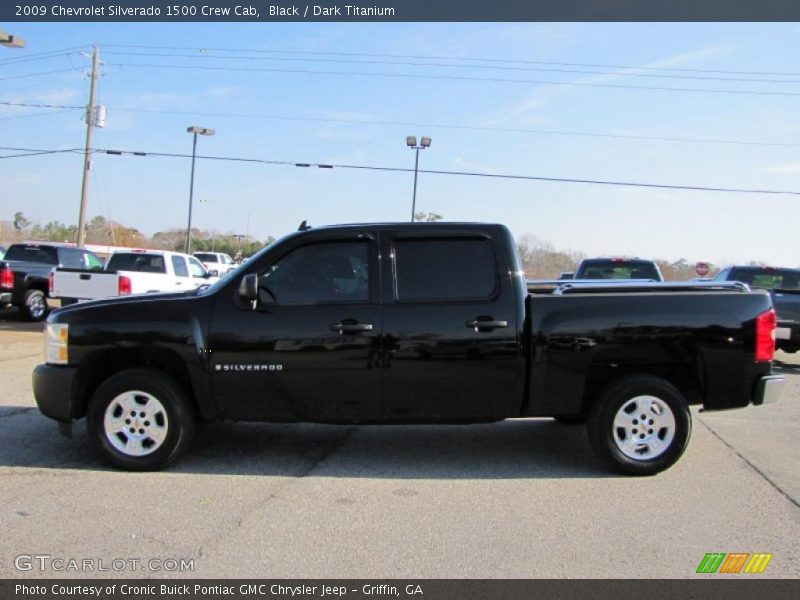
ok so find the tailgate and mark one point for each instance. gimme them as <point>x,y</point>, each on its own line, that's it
<point>84,285</point>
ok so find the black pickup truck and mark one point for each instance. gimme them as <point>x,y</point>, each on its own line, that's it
<point>406,323</point>
<point>25,273</point>
<point>784,287</point>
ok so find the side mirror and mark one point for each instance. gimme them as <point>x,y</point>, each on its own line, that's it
<point>248,288</point>
<point>213,273</point>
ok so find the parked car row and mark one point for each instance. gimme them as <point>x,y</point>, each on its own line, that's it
<point>33,272</point>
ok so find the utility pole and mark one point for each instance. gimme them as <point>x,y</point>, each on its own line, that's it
<point>87,152</point>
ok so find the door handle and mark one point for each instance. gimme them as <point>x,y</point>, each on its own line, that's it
<point>346,327</point>
<point>485,324</point>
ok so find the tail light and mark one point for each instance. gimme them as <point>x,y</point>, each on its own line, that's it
<point>51,283</point>
<point>124,286</point>
<point>765,336</point>
<point>7,278</point>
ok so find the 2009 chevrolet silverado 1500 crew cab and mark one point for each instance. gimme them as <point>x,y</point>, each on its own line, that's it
<point>25,273</point>
<point>406,323</point>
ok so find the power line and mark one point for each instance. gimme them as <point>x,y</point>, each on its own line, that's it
<point>464,127</point>
<point>637,184</point>
<point>456,78</point>
<point>433,125</point>
<point>29,59</point>
<point>459,58</point>
<point>694,188</point>
<point>42,114</point>
<point>41,73</point>
<point>38,153</point>
<point>28,105</point>
<point>205,56</point>
<point>44,54</point>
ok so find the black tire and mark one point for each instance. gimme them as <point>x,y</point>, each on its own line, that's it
<point>35,307</point>
<point>571,420</point>
<point>175,417</point>
<point>649,450</point>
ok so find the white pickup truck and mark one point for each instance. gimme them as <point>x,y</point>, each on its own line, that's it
<point>216,261</point>
<point>130,272</point>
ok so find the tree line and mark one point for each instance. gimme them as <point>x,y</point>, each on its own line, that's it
<point>105,232</point>
<point>540,259</point>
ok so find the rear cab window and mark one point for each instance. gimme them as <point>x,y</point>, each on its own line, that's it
<point>46,255</point>
<point>767,278</point>
<point>134,261</point>
<point>618,269</point>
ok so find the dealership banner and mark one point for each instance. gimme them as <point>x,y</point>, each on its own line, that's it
<point>399,10</point>
<point>386,589</point>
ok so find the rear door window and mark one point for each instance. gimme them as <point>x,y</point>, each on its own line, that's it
<point>179,266</point>
<point>444,269</point>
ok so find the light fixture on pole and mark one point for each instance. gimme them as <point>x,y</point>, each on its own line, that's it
<point>11,41</point>
<point>195,131</point>
<point>411,142</point>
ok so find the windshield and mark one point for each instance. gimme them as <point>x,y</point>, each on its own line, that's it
<point>767,278</point>
<point>618,269</point>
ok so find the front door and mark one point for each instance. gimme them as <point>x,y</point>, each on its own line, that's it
<point>307,349</point>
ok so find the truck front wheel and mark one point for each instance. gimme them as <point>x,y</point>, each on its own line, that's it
<point>641,425</point>
<point>140,420</point>
<point>35,307</point>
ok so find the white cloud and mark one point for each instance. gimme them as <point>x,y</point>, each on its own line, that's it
<point>549,93</point>
<point>783,169</point>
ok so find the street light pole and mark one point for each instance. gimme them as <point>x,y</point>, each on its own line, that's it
<point>194,131</point>
<point>411,142</point>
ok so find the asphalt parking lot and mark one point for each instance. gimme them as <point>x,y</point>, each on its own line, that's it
<point>517,499</point>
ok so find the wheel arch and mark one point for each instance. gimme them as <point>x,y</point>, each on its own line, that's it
<point>99,366</point>
<point>601,377</point>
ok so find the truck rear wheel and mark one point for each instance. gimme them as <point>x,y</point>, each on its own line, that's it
<point>641,425</point>
<point>35,307</point>
<point>140,420</point>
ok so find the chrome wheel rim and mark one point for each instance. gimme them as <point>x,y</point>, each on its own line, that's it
<point>644,428</point>
<point>136,423</point>
<point>36,306</point>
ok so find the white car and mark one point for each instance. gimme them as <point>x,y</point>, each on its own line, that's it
<point>129,272</point>
<point>216,261</point>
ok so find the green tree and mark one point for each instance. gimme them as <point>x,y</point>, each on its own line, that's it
<point>20,222</point>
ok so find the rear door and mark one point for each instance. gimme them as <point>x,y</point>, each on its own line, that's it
<point>449,327</point>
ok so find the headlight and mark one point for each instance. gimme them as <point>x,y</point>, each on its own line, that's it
<point>56,337</point>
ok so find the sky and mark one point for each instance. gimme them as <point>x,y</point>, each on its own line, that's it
<point>491,97</point>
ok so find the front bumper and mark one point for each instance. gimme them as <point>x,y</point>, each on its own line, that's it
<point>53,388</point>
<point>768,389</point>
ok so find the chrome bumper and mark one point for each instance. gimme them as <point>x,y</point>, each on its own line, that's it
<point>768,389</point>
